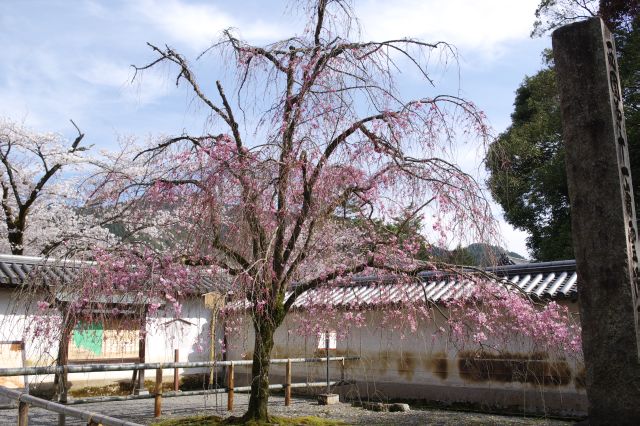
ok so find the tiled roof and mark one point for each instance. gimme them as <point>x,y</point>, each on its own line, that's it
<point>548,280</point>
<point>16,270</point>
<point>544,280</point>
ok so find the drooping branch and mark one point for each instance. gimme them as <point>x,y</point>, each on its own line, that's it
<point>162,146</point>
<point>343,272</point>
<point>231,120</point>
<point>242,48</point>
<point>185,73</point>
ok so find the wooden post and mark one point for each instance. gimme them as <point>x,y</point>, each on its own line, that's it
<point>63,354</point>
<point>140,389</point>
<point>230,386</point>
<point>326,345</point>
<point>212,345</point>
<point>141,356</point>
<point>63,360</point>
<point>23,414</point>
<point>176,376</point>
<point>342,370</point>
<point>62,418</point>
<point>24,362</point>
<point>287,384</point>
<point>603,219</point>
<point>157,407</point>
<point>134,380</point>
<point>213,301</point>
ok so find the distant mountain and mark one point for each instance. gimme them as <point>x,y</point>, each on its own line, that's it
<point>476,254</point>
<point>488,255</point>
<point>516,255</point>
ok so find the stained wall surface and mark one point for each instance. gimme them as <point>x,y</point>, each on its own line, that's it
<point>429,367</point>
<point>393,364</point>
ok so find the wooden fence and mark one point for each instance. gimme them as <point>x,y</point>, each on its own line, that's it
<point>24,399</point>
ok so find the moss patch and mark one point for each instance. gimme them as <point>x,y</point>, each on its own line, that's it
<point>273,420</point>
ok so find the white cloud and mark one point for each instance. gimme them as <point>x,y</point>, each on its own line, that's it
<point>71,60</point>
<point>146,88</point>
<point>472,26</point>
<point>514,239</point>
<point>36,88</point>
<point>106,73</point>
<point>199,25</point>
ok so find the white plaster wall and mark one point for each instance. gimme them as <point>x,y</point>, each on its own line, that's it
<point>191,339</point>
<point>417,366</point>
<point>15,321</point>
<point>421,365</point>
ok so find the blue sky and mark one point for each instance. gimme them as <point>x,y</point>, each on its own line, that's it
<point>67,59</point>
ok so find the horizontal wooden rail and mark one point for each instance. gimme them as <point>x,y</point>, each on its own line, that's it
<point>293,385</point>
<point>171,394</point>
<point>90,368</point>
<point>88,416</point>
<point>25,399</point>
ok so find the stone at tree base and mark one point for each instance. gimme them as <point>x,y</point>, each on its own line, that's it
<point>380,406</point>
<point>328,398</point>
<point>375,406</point>
<point>399,407</point>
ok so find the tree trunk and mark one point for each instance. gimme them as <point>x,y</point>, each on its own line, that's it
<point>63,354</point>
<point>264,331</point>
<point>16,240</point>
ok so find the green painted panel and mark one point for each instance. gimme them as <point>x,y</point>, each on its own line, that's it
<point>89,337</point>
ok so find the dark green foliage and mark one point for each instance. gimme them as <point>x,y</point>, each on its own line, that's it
<point>527,171</point>
<point>526,162</point>
<point>628,43</point>
<point>551,14</point>
<point>619,14</point>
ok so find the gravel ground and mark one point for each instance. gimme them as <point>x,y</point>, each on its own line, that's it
<point>141,411</point>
